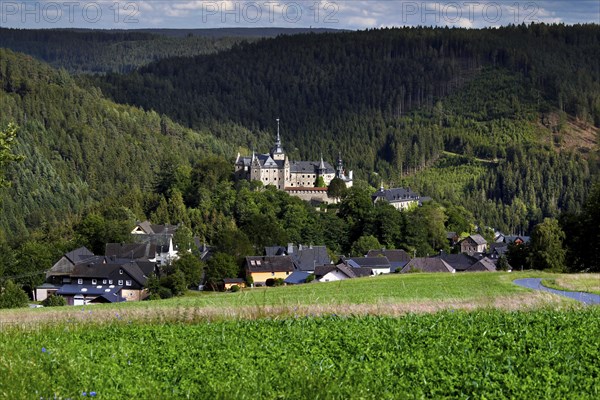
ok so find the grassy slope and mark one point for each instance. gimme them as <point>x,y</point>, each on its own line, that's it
<point>384,295</point>
<point>581,283</point>
<point>300,344</point>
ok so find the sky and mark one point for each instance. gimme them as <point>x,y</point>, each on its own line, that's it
<point>334,14</point>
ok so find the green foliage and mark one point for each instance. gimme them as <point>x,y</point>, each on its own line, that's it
<point>191,266</point>
<point>502,264</point>
<point>582,236</point>
<point>54,301</point>
<point>220,266</point>
<point>109,51</point>
<point>95,232</point>
<point>546,247</point>
<point>536,354</point>
<point>365,243</point>
<point>7,138</point>
<point>336,189</point>
<point>320,182</point>
<point>12,296</point>
<point>235,289</point>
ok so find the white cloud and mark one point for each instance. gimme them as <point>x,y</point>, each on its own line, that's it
<point>343,14</point>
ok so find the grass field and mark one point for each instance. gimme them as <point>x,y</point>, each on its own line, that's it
<point>401,336</point>
<point>383,295</point>
<point>589,283</point>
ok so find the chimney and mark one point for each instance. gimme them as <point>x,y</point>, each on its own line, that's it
<point>290,248</point>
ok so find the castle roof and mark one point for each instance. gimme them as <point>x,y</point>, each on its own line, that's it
<point>395,195</point>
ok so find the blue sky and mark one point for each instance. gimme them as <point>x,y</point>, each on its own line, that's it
<point>337,14</point>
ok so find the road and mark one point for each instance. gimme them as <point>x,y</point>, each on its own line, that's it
<point>536,283</point>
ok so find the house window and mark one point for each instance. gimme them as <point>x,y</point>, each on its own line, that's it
<point>272,273</point>
<point>110,281</point>
<point>287,272</point>
<point>80,281</point>
<point>127,283</point>
<point>252,262</point>
<point>258,262</point>
<point>94,282</point>
<point>121,271</point>
<point>104,281</point>
<point>120,282</point>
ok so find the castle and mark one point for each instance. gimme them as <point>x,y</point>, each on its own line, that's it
<point>298,178</point>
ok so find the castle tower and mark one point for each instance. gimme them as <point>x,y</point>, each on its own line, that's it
<point>277,152</point>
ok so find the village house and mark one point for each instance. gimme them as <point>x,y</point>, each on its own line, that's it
<point>340,272</point>
<point>84,278</point>
<point>297,178</point>
<point>427,264</point>
<point>228,283</point>
<point>397,258</point>
<point>161,236</point>
<point>400,198</point>
<point>262,268</point>
<point>378,265</point>
<point>473,244</point>
<point>305,258</point>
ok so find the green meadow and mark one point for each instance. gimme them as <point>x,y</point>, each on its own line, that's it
<point>400,336</point>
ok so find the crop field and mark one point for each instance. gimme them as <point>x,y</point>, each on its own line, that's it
<point>546,354</point>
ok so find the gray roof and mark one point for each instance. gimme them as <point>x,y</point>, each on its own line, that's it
<point>477,238</point>
<point>132,251</point>
<point>297,277</point>
<point>79,255</point>
<point>459,262</point>
<point>305,258</point>
<point>309,257</point>
<point>395,195</point>
<point>323,270</point>
<point>109,292</point>
<point>309,167</point>
<point>369,262</point>
<point>269,264</point>
<point>393,256</point>
<point>485,264</point>
<point>153,229</point>
<point>427,265</point>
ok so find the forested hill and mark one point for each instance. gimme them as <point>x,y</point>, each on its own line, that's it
<point>333,89</point>
<point>81,148</point>
<point>99,51</point>
<point>392,100</point>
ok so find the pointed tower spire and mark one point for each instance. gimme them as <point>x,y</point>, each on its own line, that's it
<point>277,151</point>
<point>322,165</point>
<point>278,137</point>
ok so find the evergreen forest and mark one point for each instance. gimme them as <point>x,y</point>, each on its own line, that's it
<point>499,126</point>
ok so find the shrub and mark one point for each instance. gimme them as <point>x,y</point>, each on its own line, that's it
<point>235,288</point>
<point>54,301</point>
<point>12,296</point>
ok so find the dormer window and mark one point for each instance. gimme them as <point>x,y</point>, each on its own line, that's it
<point>80,281</point>
<point>94,281</point>
<point>120,272</point>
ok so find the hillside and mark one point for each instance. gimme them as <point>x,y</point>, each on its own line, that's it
<point>99,51</point>
<point>392,100</point>
<point>79,147</point>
